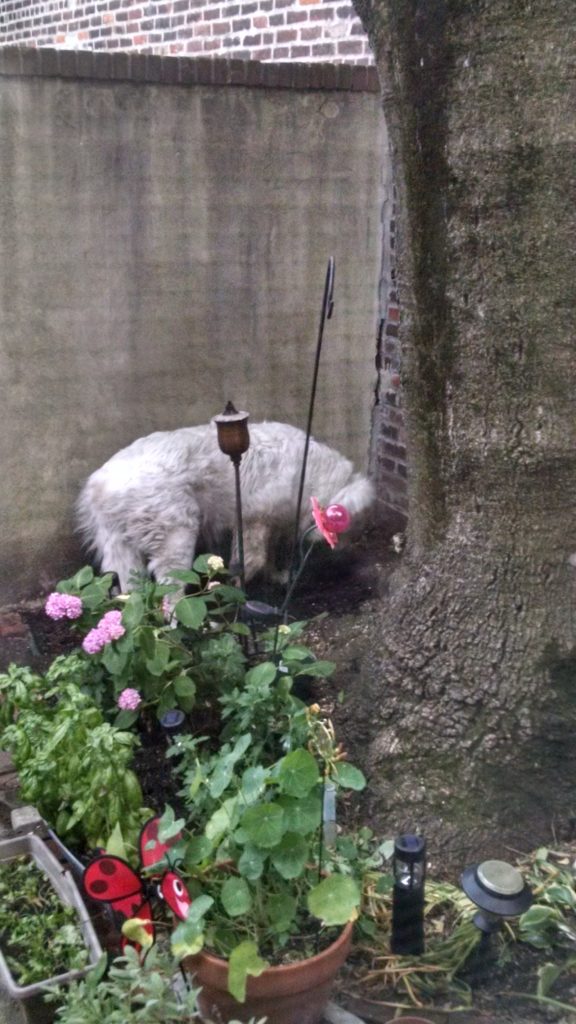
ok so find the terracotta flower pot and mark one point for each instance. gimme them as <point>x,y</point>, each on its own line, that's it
<point>293,994</point>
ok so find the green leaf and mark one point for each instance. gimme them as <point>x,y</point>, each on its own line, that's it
<point>296,652</point>
<point>253,783</point>
<point>303,815</point>
<point>133,611</point>
<point>198,848</point>
<point>236,897</point>
<point>298,773</point>
<point>547,975</point>
<point>261,675</point>
<point>251,863</point>
<point>125,718</point>
<point>335,900</point>
<point>134,929</point>
<point>320,669</point>
<point>187,939</point>
<point>169,826</point>
<point>115,844</point>
<point>290,856</point>
<point>157,664</point>
<point>244,961</point>
<point>191,611</point>
<point>184,686</point>
<point>263,824</point>
<point>223,820</point>
<point>281,909</point>
<point>348,776</point>
<point>82,577</point>
<point>185,576</point>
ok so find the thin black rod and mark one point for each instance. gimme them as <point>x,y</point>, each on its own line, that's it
<point>239,523</point>
<point>327,308</point>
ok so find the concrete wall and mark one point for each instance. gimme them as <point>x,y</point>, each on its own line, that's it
<point>163,245</point>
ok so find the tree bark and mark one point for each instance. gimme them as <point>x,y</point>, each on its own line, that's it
<point>471,663</point>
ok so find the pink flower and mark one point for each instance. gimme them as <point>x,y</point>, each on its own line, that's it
<point>129,699</point>
<point>111,626</point>
<point>63,606</point>
<point>94,641</point>
<point>330,521</point>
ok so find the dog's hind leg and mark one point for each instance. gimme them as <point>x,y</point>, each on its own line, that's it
<point>121,558</point>
<point>174,548</point>
<point>256,535</point>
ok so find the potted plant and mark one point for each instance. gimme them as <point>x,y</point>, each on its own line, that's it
<point>275,890</point>
<point>46,937</point>
<point>131,990</point>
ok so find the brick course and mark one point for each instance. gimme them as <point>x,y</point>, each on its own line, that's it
<point>215,27</point>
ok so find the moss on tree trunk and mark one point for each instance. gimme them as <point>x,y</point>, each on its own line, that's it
<point>471,662</point>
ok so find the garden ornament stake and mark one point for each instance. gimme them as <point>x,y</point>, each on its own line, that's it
<point>234,440</point>
<point>327,309</point>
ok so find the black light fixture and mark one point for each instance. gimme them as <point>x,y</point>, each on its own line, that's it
<point>498,890</point>
<point>234,440</point>
<point>409,867</point>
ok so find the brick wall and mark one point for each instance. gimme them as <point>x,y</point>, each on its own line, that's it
<point>267,30</point>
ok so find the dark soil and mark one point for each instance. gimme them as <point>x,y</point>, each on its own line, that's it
<point>342,583</point>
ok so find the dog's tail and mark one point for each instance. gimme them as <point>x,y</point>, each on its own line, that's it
<point>357,495</point>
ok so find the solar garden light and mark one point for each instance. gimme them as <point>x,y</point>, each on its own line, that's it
<point>409,868</point>
<point>234,440</point>
<point>172,722</point>
<point>498,890</point>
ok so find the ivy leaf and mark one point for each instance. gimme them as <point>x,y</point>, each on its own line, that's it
<point>187,938</point>
<point>348,776</point>
<point>236,897</point>
<point>198,848</point>
<point>298,773</point>
<point>290,856</point>
<point>264,824</point>
<point>303,815</point>
<point>251,863</point>
<point>244,961</point>
<point>335,900</point>
<point>281,909</point>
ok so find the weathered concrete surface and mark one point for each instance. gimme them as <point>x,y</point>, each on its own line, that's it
<point>163,249</point>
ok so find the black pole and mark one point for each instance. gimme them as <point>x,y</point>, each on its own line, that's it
<point>327,308</point>
<point>239,523</point>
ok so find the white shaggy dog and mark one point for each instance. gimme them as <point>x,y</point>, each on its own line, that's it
<point>148,505</point>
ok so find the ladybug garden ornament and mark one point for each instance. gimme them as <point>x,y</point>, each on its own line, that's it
<point>110,879</point>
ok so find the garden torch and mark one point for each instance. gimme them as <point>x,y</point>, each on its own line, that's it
<point>409,867</point>
<point>234,440</point>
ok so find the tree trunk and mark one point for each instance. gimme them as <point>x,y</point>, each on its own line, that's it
<point>471,663</point>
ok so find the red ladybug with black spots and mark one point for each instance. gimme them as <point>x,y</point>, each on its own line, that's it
<point>112,880</point>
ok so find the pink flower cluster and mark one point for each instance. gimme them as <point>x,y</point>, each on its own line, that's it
<point>109,628</point>
<point>129,699</point>
<point>63,606</point>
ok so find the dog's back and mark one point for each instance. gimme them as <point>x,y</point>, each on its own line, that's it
<point>146,507</point>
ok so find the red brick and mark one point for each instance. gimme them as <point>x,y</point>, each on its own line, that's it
<point>12,624</point>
